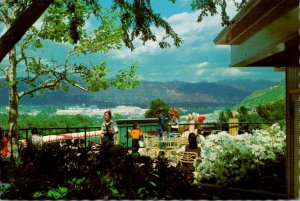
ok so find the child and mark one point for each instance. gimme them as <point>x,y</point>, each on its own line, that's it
<point>135,134</point>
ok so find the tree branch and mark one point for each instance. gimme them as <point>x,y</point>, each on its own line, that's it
<point>42,86</point>
<point>2,69</point>
<point>23,57</point>
<point>76,85</point>
<point>22,23</point>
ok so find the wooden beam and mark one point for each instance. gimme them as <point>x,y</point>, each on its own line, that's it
<point>253,17</point>
<point>280,54</point>
<point>260,56</point>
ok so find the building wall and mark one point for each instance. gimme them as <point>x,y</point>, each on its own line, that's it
<point>293,131</point>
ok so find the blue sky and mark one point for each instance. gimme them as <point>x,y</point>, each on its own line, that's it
<point>197,60</point>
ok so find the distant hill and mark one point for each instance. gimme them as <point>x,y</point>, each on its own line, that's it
<point>246,84</point>
<point>273,93</point>
<point>177,94</point>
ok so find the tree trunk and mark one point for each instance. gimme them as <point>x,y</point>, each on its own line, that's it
<point>13,112</point>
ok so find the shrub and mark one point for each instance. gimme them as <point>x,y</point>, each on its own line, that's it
<point>232,160</point>
<point>53,172</point>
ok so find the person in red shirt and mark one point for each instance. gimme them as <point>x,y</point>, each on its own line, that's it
<point>136,133</point>
<point>5,144</point>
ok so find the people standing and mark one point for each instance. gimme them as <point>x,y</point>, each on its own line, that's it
<point>109,129</point>
<point>5,145</point>
<point>36,139</point>
<point>136,133</point>
<point>162,127</point>
<point>174,116</point>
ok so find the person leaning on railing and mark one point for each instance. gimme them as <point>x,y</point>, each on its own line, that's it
<point>109,130</point>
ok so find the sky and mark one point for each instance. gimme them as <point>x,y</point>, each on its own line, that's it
<point>198,59</point>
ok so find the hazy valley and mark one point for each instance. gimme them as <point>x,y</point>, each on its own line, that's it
<point>223,93</point>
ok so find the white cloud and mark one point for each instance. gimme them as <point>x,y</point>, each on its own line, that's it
<point>121,54</point>
<point>185,24</point>
<point>219,73</point>
<point>201,68</point>
<point>230,71</point>
<point>202,65</point>
<point>213,73</point>
<point>200,71</point>
<point>149,48</point>
<point>220,47</point>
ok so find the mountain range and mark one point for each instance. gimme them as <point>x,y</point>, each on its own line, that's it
<point>177,94</point>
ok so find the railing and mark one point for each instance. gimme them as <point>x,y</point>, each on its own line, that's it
<point>146,125</point>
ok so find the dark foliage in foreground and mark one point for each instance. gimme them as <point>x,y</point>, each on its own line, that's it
<point>55,172</point>
<point>62,173</point>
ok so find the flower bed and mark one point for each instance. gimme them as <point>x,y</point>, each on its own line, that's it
<point>247,160</point>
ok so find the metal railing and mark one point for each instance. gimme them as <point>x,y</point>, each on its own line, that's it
<point>146,126</point>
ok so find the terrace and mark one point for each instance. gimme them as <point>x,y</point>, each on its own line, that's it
<point>267,19</point>
<point>86,140</point>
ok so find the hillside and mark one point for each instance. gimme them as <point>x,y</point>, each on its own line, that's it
<point>176,93</point>
<point>273,93</point>
<point>246,84</point>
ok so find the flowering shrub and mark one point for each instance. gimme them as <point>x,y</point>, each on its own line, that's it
<point>228,159</point>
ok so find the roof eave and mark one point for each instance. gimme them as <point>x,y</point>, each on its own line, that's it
<point>251,18</point>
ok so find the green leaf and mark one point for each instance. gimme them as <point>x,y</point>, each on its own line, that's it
<point>152,183</point>
<point>37,195</point>
<point>114,191</point>
<point>140,190</point>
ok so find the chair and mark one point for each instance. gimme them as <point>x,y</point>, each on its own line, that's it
<point>182,141</point>
<point>172,147</point>
<point>171,150</point>
<point>149,147</point>
<point>186,160</point>
<point>158,147</point>
<point>175,135</point>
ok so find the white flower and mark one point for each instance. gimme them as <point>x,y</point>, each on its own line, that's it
<point>228,157</point>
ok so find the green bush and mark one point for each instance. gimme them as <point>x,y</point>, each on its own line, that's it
<point>153,111</point>
<point>61,173</point>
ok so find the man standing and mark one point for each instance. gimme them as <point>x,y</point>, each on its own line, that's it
<point>109,129</point>
<point>162,126</point>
